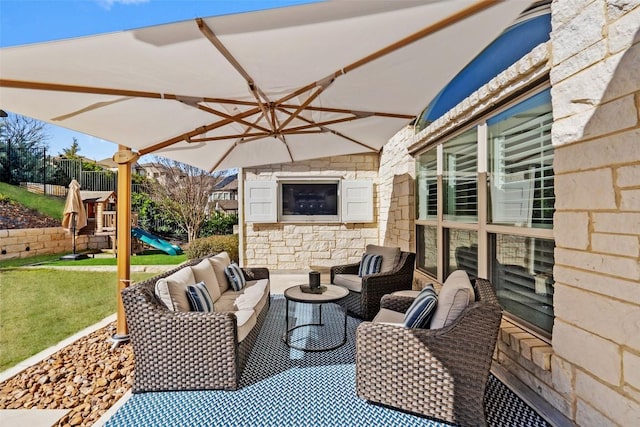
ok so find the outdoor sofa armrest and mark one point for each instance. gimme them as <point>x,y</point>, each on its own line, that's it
<point>396,303</point>
<point>255,273</point>
<point>344,269</point>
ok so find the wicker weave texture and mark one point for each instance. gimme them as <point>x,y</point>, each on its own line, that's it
<point>366,304</point>
<point>439,373</point>
<point>185,351</point>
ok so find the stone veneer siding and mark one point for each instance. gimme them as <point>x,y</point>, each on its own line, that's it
<point>595,76</point>
<point>591,370</point>
<point>302,246</point>
<point>29,242</point>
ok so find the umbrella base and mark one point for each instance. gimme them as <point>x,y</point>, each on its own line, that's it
<point>117,339</point>
<point>74,257</point>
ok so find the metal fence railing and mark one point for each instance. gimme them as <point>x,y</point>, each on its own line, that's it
<point>35,168</point>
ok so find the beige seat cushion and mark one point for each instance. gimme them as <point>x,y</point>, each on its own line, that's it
<point>455,295</point>
<point>246,319</point>
<point>390,256</point>
<point>203,272</point>
<point>219,263</point>
<point>389,316</point>
<point>353,282</point>
<point>172,290</point>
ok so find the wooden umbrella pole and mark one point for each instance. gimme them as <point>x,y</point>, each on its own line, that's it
<point>124,158</point>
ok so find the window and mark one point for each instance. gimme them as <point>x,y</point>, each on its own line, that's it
<point>460,184</point>
<point>309,200</point>
<point>521,164</point>
<point>522,272</point>
<point>495,219</point>
<point>427,179</point>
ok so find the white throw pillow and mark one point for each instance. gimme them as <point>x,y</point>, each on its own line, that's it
<point>456,294</point>
<point>172,290</point>
<point>390,256</point>
<point>203,272</point>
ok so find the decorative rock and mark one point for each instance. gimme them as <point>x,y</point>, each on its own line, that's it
<point>86,377</point>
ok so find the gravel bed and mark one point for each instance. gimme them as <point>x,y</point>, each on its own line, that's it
<point>86,377</point>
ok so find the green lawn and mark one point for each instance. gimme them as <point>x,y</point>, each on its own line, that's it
<point>47,205</point>
<point>150,257</point>
<point>39,308</point>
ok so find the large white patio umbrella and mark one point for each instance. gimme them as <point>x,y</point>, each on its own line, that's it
<point>258,88</point>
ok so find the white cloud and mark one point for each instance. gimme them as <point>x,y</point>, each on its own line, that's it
<point>106,4</point>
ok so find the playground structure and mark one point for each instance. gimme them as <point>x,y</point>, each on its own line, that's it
<point>155,241</point>
<point>101,218</point>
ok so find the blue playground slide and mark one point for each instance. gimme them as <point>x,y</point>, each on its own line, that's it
<point>155,241</point>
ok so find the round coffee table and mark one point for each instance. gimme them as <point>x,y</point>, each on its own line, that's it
<point>333,294</point>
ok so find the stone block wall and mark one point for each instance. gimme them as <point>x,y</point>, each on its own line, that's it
<point>303,246</point>
<point>595,79</point>
<point>29,242</point>
<point>396,192</point>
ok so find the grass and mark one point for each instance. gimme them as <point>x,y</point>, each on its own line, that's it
<point>150,257</point>
<point>39,308</point>
<point>47,205</point>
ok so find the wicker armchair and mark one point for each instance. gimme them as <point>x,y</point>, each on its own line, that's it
<point>439,373</point>
<point>185,350</point>
<point>366,304</point>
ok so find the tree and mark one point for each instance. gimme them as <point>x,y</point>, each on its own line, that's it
<point>72,151</point>
<point>22,147</point>
<point>182,192</point>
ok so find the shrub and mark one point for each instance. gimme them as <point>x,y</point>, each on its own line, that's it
<point>218,223</point>
<point>213,245</point>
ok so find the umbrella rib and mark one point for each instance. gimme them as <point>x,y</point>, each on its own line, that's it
<point>230,117</point>
<point>211,36</point>
<point>300,108</point>
<point>433,28</point>
<point>348,138</point>
<point>198,131</point>
<point>237,136</point>
<point>357,113</point>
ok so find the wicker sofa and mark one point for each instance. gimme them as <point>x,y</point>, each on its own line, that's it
<point>188,350</point>
<point>363,300</point>
<point>440,373</point>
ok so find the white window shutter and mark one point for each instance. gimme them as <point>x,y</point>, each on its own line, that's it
<point>260,201</point>
<point>357,201</point>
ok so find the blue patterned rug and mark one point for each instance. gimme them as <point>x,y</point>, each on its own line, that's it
<point>286,387</point>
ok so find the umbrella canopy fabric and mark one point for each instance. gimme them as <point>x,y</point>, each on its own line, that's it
<point>258,88</point>
<point>74,215</point>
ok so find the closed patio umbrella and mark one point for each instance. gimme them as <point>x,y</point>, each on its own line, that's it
<point>274,86</point>
<point>74,217</point>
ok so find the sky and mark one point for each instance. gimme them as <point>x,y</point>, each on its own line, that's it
<point>34,21</point>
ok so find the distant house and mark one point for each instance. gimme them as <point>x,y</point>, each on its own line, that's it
<point>224,197</point>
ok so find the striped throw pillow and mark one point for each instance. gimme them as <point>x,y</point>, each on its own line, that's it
<point>199,298</point>
<point>419,313</point>
<point>370,264</point>
<point>235,276</point>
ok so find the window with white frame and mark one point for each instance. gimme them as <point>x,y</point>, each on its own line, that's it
<point>309,200</point>
<point>492,211</point>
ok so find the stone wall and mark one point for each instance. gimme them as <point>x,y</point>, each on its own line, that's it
<point>396,189</point>
<point>302,246</point>
<point>595,366</point>
<point>29,242</point>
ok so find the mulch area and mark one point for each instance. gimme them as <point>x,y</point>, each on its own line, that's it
<point>15,216</point>
<point>86,377</point>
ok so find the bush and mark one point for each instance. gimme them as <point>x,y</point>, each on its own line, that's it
<point>218,223</point>
<point>213,245</point>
